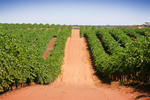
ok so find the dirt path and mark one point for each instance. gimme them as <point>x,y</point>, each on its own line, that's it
<point>74,83</point>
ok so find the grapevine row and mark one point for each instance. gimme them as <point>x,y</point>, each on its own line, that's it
<point>22,63</point>
<point>130,63</point>
<point>109,42</point>
<point>119,36</point>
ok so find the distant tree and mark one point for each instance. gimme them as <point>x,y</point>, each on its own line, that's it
<point>147,24</point>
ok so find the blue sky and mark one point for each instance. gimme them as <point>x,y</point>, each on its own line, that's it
<point>75,12</point>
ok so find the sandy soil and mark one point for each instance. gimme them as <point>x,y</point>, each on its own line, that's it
<point>133,38</point>
<point>99,40</point>
<point>141,27</point>
<point>47,28</point>
<point>74,83</point>
<point>49,48</point>
<point>28,28</point>
<point>103,46</point>
<point>59,29</point>
<point>34,28</point>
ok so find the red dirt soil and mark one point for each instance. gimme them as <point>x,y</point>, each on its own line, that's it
<point>47,28</point>
<point>34,28</point>
<point>141,27</point>
<point>59,30</point>
<point>76,82</point>
<point>50,47</point>
<point>103,47</point>
<point>99,40</point>
<point>28,28</point>
<point>133,38</point>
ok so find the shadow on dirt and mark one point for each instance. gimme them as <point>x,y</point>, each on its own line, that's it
<point>104,79</point>
<point>141,96</point>
<point>139,87</point>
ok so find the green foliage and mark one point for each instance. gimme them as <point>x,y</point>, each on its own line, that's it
<point>98,54</point>
<point>119,36</point>
<point>21,54</point>
<point>137,57</point>
<point>131,62</point>
<point>131,32</point>
<point>14,66</point>
<point>109,42</point>
<point>141,31</point>
<point>81,31</point>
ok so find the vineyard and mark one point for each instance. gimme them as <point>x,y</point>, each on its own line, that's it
<point>21,50</point>
<point>118,54</point>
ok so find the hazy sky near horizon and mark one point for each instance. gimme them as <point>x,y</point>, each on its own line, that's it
<point>85,12</point>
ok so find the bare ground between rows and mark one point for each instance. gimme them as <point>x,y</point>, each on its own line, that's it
<point>133,38</point>
<point>50,47</point>
<point>105,49</point>
<point>76,82</point>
